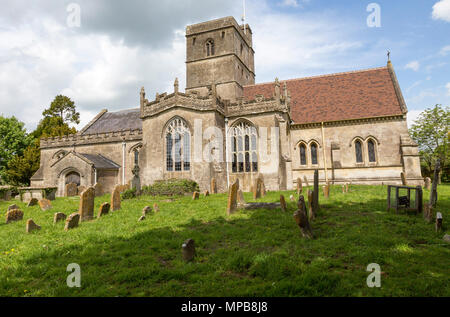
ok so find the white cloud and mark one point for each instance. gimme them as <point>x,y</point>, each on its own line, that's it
<point>290,3</point>
<point>448,89</point>
<point>441,10</point>
<point>445,50</point>
<point>412,116</point>
<point>414,65</point>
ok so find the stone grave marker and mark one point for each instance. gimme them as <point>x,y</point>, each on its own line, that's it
<point>433,192</point>
<point>283,203</point>
<point>146,211</point>
<point>299,186</point>
<point>188,249</point>
<point>213,186</point>
<point>98,190</point>
<point>302,219</point>
<point>72,221</point>
<point>232,197</point>
<point>12,207</point>
<point>71,190</point>
<point>439,221</point>
<point>155,207</point>
<point>86,209</point>
<point>206,193</point>
<point>45,204</point>
<point>115,198</point>
<point>316,192</point>
<point>311,214</point>
<point>33,202</point>
<point>59,216</point>
<point>306,181</point>
<point>14,215</point>
<point>32,226</point>
<point>240,198</point>
<point>427,183</point>
<point>196,196</point>
<point>104,210</point>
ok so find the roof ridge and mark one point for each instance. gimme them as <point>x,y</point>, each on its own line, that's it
<point>320,76</point>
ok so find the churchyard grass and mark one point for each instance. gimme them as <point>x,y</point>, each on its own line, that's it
<point>250,253</point>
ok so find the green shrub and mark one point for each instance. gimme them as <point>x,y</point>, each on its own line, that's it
<point>129,194</point>
<point>171,187</point>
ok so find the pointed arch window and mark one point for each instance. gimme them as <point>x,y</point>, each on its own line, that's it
<point>371,151</point>
<point>178,146</point>
<point>244,148</point>
<point>302,154</point>
<point>210,48</point>
<point>358,152</point>
<point>314,160</point>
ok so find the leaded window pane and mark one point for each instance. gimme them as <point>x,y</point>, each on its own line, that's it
<point>314,160</point>
<point>358,150</point>
<point>303,155</point>
<point>371,149</point>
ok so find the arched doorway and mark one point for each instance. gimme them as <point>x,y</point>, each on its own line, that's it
<point>73,177</point>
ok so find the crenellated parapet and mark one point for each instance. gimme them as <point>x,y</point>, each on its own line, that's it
<point>77,140</point>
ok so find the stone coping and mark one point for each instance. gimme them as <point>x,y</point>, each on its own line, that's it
<point>36,188</point>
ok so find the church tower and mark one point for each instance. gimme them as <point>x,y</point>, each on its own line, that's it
<point>220,52</point>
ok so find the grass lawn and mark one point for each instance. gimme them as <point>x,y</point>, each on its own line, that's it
<point>251,253</point>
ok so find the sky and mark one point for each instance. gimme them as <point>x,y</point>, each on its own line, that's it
<point>101,52</point>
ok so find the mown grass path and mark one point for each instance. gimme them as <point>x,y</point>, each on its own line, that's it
<point>251,253</point>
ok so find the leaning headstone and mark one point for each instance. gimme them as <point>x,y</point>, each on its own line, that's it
<point>283,203</point>
<point>299,186</point>
<point>115,198</point>
<point>98,190</point>
<point>346,187</point>
<point>343,189</point>
<point>240,198</point>
<point>72,221</point>
<point>14,215</point>
<point>213,186</point>
<point>59,216</point>
<point>263,188</point>
<point>439,221</point>
<point>71,190</point>
<point>403,176</point>
<point>188,249</point>
<point>146,211</point>
<point>13,207</point>
<point>45,204</point>
<point>80,189</point>
<point>428,212</point>
<point>232,197</point>
<point>196,196</point>
<point>259,189</point>
<point>206,193</point>
<point>33,202</point>
<point>306,181</point>
<point>302,219</point>
<point>104,210</point>
<point>433,193</point>
<point>86,209</point>
<point>427,183</point>
<point>31,226</point>
<point>155,207</point>
<point>311,214</point>
<point>142,218</point>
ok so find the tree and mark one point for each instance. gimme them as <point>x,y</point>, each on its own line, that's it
<point>431,133</point>
<point>64,108</point>
<point>22,168</point>
<point>13,140</point>
<point>52,127</point>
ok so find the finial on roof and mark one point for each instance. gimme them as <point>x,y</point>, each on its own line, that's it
<point>389,55</point>
<point>277,89</point>
<point>142,97</point>
<point>176,85</point>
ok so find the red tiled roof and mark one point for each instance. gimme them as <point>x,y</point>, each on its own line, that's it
<point>352,95</point>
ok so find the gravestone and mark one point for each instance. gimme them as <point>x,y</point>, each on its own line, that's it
<point>258,188</point>
<point>72,221</point>
<point>263,188</point>
<point>31,226</point>
<point>302,219</point>
<point>326,191</point>
<point>213,186</point>
<point>343,189</point>
<point>71,190</point>
<point>403,176</point>
<point>14,215</point>
<point>86,209</point>
<point>311,215</point>
<point>292,198</point>
<point>196,196</point>
<point>316,192</point>
<point>80,189</point>
<point>346,187</point>
<point>299,186</point>
<point>103,210</point>
<point>206,193</point>
<point>45,204</point>
<point>98,190</point>
<point>188,249</point>
<point>142,218</point>
<point>115,198</point>
<point>439,221</point>
<point>427,183</point>
<point>13,207</point>
<point>240,198</point>
<point>146,211</point>
<point>59,216</point>
<point>306,181</point>
<point>428,212</point>
<point>232,197</point>
<point>433,193</point>
<point>33,202</point>
<point>446,238</point>
<point>283,203</point>
<point>155,207</point>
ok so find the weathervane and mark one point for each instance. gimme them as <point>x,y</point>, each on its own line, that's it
<point>243,19</point>
<point>389,55</point>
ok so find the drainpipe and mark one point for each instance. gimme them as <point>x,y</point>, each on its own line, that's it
<point>226,152</point>
<point>124,146</point>
<point>324,154</point>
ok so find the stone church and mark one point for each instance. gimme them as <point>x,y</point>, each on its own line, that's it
<point>350,126</point>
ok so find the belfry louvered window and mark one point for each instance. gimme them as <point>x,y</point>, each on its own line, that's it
<point>244,148</point>
<point>210,47</point>
<point>178,146</point>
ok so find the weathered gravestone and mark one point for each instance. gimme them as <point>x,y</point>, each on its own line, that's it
<point>142,218</point>
<point>45,204</point>
<point>302,219</point>
<point>196,196</point>
<point>103,210</point>
<point>71,190</point>
<point>427,183</point>
<point>428,212</point>
<point>98,190</point>
<point>346,187</point>
<point>299,186</point>
<point>155,207</point>
<point>311,214</point>
<point>115,198</point>
<point>59,216</point>
<point>72,221</point>
<point>206,193</point>
<point>13,207</point>
<point>213,186</point>
<point>31,226</point>
<point>343,189</point>
<point>326,191</point>
<point>258,188</point>
<point>306,181</point>
<point>86,209</point>
<point>439,221</point>
<point>403,176</point>
<point>240,198</point>
<point>283,203</point>
<point>33,202</point>
<point>14,215</point>
<point>188,249</point>
<point>433,193</point>
<point>446,238</point>
<point>146,211</point>
<point>80,189</point>
<point>232,197</point>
